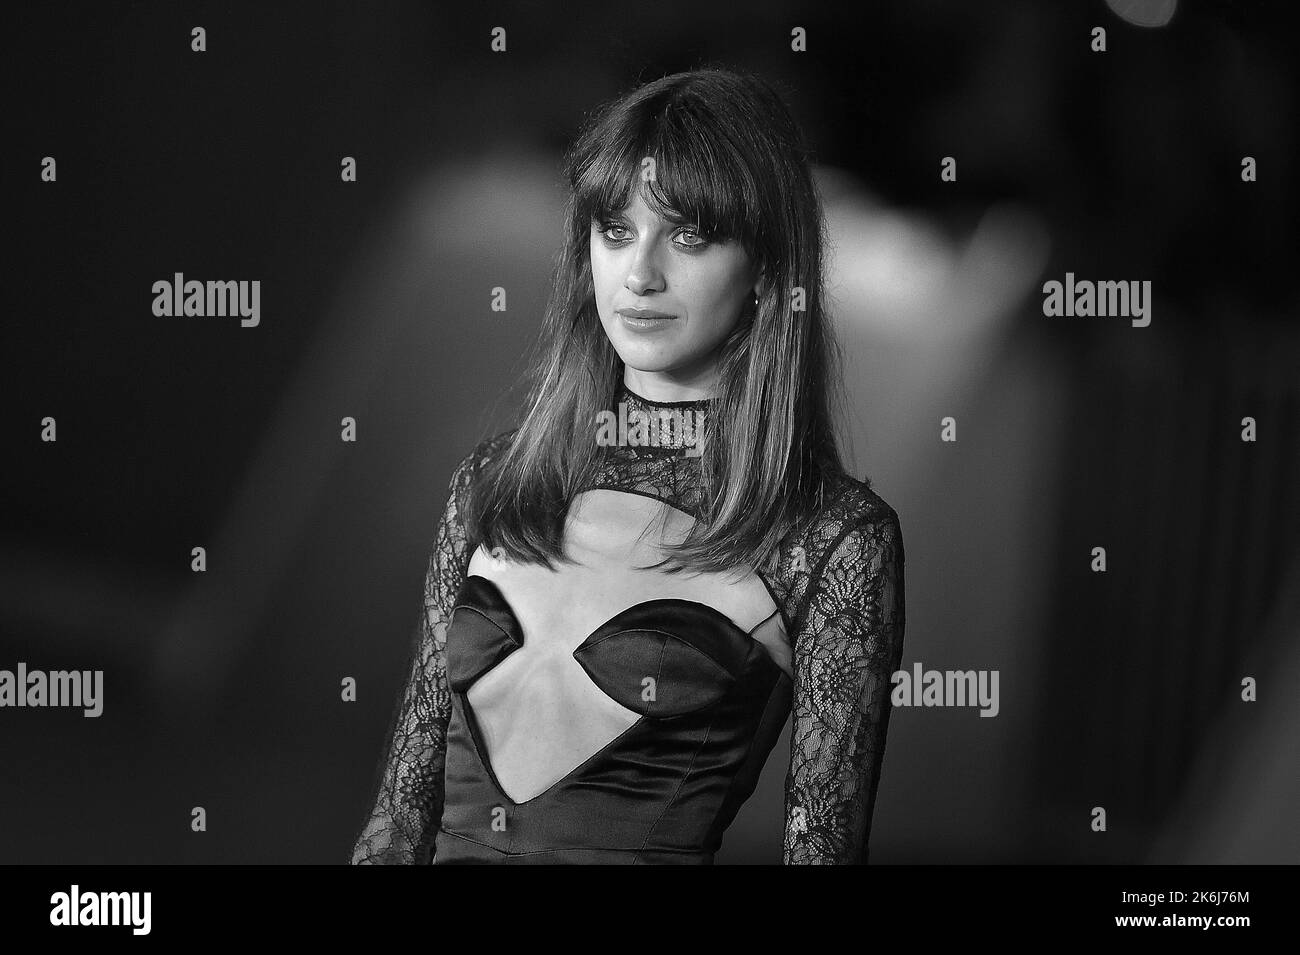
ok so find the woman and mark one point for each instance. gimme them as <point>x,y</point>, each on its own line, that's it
<point>629,592</point>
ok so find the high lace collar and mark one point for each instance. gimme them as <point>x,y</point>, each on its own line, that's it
<point>649,404</point>
<point>649,424</point>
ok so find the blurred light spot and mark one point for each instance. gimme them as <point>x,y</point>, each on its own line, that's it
<point>903,277</point>
<point>1144,13</point>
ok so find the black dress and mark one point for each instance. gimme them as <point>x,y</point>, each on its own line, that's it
<point>529,733</point>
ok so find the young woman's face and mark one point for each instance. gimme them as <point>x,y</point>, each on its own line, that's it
<point>640,261</point>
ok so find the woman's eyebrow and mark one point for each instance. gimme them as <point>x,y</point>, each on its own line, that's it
<point>670,220</point>
<point>673,219</point>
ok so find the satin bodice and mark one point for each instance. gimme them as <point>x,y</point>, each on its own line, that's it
<point>709,700</point>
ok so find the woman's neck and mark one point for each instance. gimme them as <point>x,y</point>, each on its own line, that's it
<point>643,422</point>
<point>669,388</point>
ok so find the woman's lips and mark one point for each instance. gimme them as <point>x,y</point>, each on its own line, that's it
<point>644,319</point>
<point>643,313</point>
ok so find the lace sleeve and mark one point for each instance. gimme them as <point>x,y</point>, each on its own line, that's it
<point>407,806</point>
<point>847,643</point>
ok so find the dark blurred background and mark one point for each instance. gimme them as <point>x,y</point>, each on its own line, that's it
<point>222,690</point>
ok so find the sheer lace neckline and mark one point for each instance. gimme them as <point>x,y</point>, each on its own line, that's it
<point>671,425</point>
<point>626,393</point>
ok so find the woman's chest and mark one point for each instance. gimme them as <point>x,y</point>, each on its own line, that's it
<point>556,663</point>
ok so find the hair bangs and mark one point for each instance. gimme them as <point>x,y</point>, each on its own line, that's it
<point>693,182</point>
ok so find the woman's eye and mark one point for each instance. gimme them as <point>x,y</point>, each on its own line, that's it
<point>696,240</point>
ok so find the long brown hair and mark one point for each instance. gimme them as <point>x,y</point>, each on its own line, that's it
<point>730,158</point>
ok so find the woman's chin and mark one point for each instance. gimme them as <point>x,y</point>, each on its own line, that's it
<point>638,356</point>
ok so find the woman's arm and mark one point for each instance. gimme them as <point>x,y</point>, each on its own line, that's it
<point>407,806</point>
<point>848,643</point>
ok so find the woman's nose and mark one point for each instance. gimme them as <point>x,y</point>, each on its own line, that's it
<point>645,274</point>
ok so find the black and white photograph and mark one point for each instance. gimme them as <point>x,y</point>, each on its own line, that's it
<point>658,434</point>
